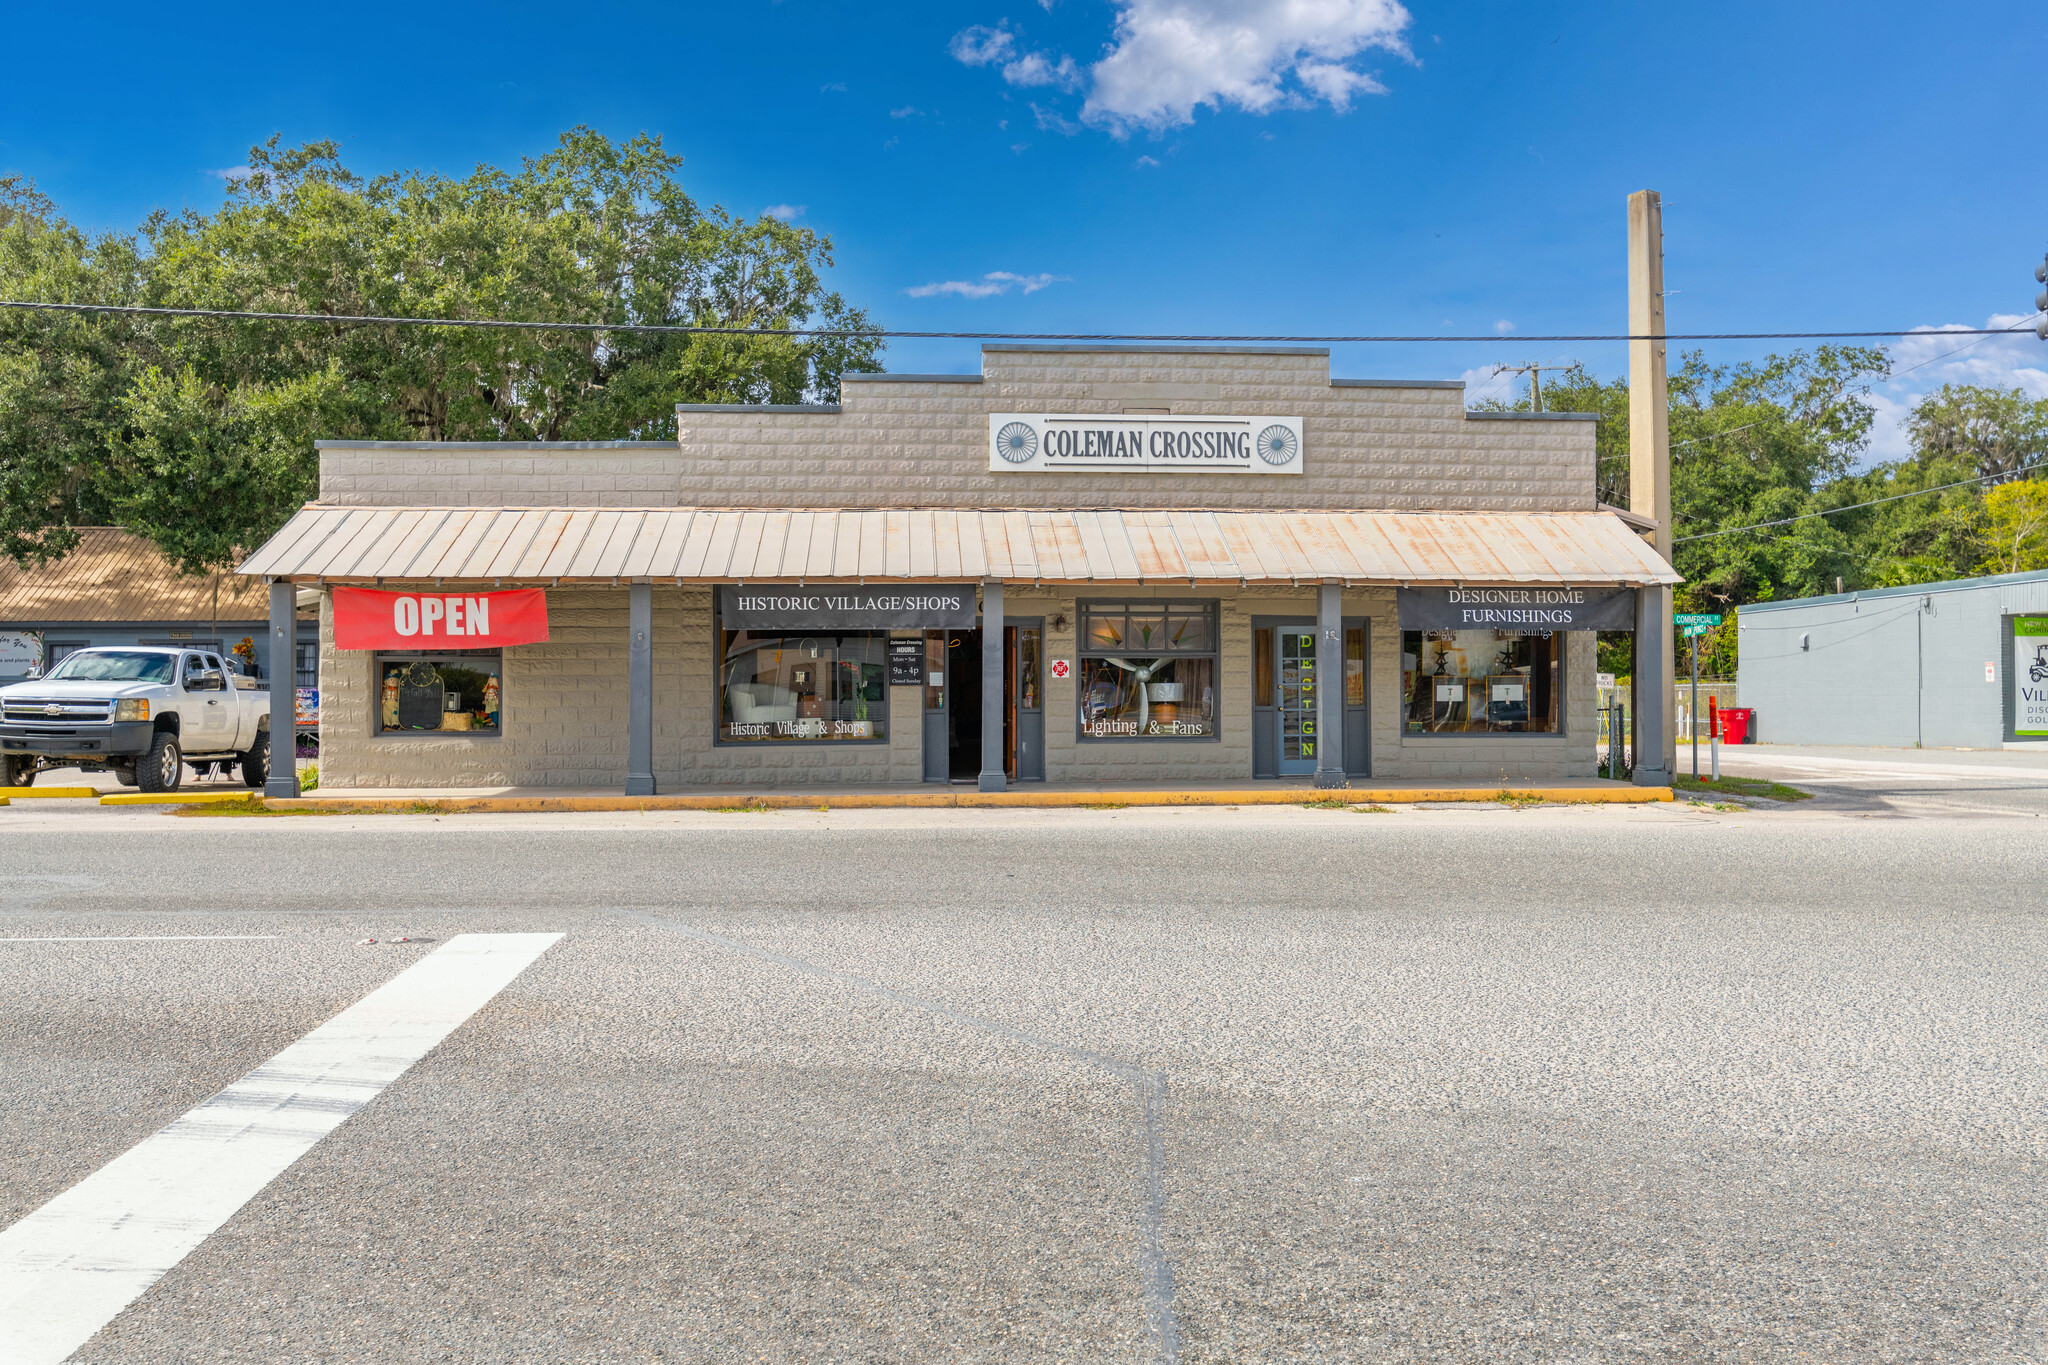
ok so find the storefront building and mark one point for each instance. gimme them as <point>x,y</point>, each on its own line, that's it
<point>1086,564</point>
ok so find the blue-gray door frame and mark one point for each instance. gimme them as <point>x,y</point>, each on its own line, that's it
<point>283,778</point>
<point>1355,742</point>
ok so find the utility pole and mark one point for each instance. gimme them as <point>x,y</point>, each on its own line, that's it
<point>1535,373</point>
<point>1649,486</point>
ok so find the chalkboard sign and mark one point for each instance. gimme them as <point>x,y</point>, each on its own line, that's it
<point>420,698</point>
<point>906,663</point>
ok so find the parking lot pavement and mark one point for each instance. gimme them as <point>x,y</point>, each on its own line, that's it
<point>1958,782</point>
<point>1599,1085</point>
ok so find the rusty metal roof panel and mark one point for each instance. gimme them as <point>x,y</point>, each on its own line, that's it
<point>116,575</point>
<point>1101,546</point>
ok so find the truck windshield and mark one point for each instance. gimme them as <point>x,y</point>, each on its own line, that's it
<point>115,665</point>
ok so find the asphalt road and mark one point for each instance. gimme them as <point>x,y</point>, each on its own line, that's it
<point>1958,782</point>
<point>1274,1084</point>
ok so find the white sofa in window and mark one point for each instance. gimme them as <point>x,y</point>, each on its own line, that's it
<point>759,702</point>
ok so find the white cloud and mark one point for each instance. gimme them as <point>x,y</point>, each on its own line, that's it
<point>783,211</point>
<point>1146,161</point>
<point>907,111</point>
<point>1052,121</point>
<point>838,87</point>
<point>1170,57</point>
<point>1503,326</point>
<point>1924,360</point>
<point>1484,383</point>
<point>230,173</point>
<point>998,47</point>
<point>989,285</point>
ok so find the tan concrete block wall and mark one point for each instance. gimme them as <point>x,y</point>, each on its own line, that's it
<point>905,444</point>
<point>565,710</point>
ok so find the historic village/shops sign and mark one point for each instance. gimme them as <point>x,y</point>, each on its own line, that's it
<point>1035,443</point>
<point>789,606</point>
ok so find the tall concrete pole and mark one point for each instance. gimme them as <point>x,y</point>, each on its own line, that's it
<point>1649,484</point>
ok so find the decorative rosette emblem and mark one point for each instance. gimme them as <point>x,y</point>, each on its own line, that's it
<point>1016,442</point>
<point>1278,445</point>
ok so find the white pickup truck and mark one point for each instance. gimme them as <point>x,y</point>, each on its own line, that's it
<point>138,712</point>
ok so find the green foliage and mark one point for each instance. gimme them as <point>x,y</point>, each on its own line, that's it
<point>198,432</point>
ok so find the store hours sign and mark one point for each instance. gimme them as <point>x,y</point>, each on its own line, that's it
<point>1041,443</point>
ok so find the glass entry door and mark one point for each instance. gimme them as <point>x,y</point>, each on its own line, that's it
<point>1295,709</point>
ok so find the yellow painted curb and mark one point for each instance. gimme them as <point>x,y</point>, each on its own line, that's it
<point>177,798</point>
<point>971,800</point>
<point>47,793</point>
<point>4,801</point>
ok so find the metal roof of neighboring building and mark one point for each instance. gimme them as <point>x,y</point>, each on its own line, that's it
<point>681,544</point>
<point>1990,582</point>
<point>116,575</point>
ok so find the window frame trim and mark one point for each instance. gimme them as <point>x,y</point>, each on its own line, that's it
<point>376,708</point>
<point>1213,606</point>
<point>1564,710</point>
<point>718,741</point>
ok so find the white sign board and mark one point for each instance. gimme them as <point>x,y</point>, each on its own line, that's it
<point>2030,677</point>
<point>1093,443</point>
<point>21,652</point>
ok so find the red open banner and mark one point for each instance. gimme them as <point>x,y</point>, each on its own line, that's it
<point>439,620</point>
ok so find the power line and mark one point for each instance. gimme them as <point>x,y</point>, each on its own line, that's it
<point>1874,502</point>
<point>884,333</point>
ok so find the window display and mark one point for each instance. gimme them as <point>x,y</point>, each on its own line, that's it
<point>440,693</point>
<point>1495,681</point>
<point>779,687</point>
<point>1148,670</point>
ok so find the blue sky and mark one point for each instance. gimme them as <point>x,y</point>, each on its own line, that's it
<point>1297,166</point>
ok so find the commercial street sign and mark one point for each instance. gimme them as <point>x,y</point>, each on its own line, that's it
<point>1704,619</point>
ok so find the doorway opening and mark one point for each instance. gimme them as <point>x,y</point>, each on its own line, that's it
<point>963,710</point>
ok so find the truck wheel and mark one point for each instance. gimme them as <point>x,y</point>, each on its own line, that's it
<point>125,776</point>
<point>162,769</point>
<point>255,760</point>
<point>20,772</point>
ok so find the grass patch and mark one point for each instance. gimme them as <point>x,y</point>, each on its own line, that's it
<point>1752,787</point>
<point>1326,803</point>
<point>1519,800</point>
<point>309,778</point>
<point>741,810</point>
<point>1105,805</point>
<point>1374,810</point>
<point>217,810</point>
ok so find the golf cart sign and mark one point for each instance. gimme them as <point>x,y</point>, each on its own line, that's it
<point>2030,677</point>
<point>1095,443</point>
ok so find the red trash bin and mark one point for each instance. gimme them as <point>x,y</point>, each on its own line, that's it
<point>1736,722</point>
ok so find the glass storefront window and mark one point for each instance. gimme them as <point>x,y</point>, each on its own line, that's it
<point>1148,670</point>
<point>1493,681</point>
<point>782,688</point>
<point>452,693</point>
<point>1354,666</point>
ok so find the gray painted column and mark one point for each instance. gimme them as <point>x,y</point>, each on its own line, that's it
<point>1652,686</point>
<point>993,778</point>
<point>640,690</point>
<point>284,666</point>
<point>1330,685</point>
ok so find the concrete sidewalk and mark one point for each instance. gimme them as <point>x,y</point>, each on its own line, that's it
<point>1039,794</point>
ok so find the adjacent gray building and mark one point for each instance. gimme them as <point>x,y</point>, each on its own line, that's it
<point>1960,665</point>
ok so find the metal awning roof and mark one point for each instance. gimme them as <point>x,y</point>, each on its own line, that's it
<point>705,545</point>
